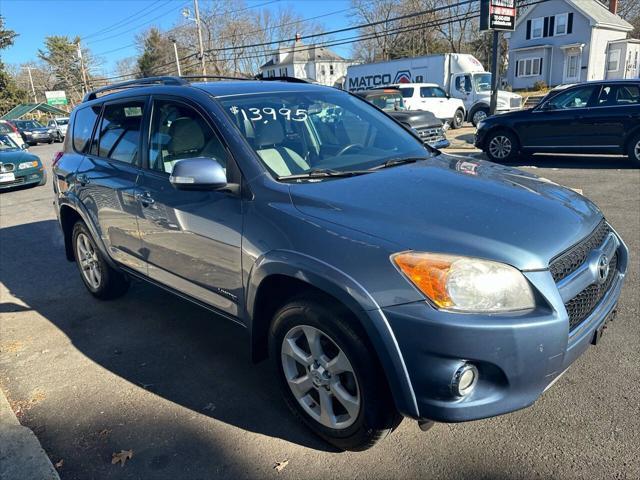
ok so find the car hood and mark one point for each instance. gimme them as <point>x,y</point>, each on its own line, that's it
<point>415,118</point>
<point>17,156</point>
<point>455,205</point>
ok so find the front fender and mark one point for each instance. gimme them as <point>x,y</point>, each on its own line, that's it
<point>353,295</point>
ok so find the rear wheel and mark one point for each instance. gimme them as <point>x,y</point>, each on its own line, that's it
<point>101,280</point>
<point>327,375</point>
<point>458,119</point>
<point>634,149</point>
<point>501,146</point>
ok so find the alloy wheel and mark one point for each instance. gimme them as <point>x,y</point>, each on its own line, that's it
<point>636,150</point>
<point>88,258</point>
<point>479,116</point>
<point>321,377</point>
<point>459,118</point>
<point>500,147</point>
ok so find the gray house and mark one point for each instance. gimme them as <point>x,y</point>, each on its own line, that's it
<point>568,41</point>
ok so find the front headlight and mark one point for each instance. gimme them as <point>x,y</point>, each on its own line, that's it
<point>23,165</point>
<point>466,284</point>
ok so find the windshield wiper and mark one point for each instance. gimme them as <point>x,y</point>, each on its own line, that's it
<point>392,162</point>
<point>324,172</point>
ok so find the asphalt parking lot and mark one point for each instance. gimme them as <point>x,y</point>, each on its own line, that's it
<point>156,375</point>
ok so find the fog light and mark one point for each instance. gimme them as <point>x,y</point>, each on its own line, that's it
<point>464,380</point>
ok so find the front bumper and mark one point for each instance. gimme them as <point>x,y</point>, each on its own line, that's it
<point>518,355</point>
<point>24,177</point>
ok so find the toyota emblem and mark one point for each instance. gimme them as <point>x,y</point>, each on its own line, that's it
<point>603,268</point>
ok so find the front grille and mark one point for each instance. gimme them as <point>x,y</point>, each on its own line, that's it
<point>7,167</point>
<point>566,263</point>
<point>581,306</point>
<point>515,102</point>
<point>431,135</point>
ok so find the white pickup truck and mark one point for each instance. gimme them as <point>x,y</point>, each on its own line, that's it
<point>432,98</point>
<point>460,75</point>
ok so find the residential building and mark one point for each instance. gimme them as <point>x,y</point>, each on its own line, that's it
<point>308,62</point>
<point>568,41</point>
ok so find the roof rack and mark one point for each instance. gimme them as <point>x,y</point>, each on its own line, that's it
<point>281,79</point>
<point>139,82</point>
<point>216,77</point>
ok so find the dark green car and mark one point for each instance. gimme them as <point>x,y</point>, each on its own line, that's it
<point>19,167</point>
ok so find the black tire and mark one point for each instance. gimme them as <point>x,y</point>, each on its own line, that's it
<point>501,146</point>
<point>474,115</point>
<point>377,415</point>
<point>44,179</point>
<point>458,119</point>
<point>112,284</point>
<point>50,141</point>
<point>633,149</point>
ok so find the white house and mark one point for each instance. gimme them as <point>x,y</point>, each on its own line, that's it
<point>307,62</point>
<point>568,41</point>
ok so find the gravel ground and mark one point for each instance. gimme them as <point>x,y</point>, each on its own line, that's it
<point>156,375</point>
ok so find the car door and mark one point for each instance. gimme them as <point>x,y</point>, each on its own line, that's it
<point>615,112</point>
<point>434,100</point>
<point>190,239</point>
<point>561,123</point>
<point>109,172</point>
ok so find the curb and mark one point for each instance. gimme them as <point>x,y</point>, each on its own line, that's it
<point>21,455</point>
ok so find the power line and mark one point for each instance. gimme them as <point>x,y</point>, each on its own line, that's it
<point>125,21</point>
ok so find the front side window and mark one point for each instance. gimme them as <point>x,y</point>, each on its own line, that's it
<point>294,133</point>
<point>179,132</point>
<point>463,83</point>
<point>574,98</point>
<point>119,133</point>
<point>83,124</point>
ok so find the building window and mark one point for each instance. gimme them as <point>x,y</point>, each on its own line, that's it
<point>613,61</point>
<point>537,27</point>
<point>561,24</point>
<point>529,67</point>
<point>330,69</point>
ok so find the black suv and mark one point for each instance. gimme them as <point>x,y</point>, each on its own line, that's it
<point>592,117</point>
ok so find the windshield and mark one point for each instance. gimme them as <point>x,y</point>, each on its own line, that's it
<point>482,82</point>
<point>7,144</point>
<point>294,133</point>
<point>28,124</point>
<point>62,121</point>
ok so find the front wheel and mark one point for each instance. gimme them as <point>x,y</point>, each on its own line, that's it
<point>101,280</point>
<point>479,115</point>
<point>327,375</point>
<point>501,146</point>
<point>634,149</point>
<point>458,119</point>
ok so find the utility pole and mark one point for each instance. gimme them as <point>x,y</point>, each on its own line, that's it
<point>495,72</point>
<point>197,11</point>
<point>175,51</point>
<point>85,89</point>
<point>33,89</point>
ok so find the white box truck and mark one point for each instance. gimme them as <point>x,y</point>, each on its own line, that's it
<point>461,75</point>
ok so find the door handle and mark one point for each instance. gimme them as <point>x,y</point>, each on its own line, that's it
<point>145,198</point>
<point>82,179</point>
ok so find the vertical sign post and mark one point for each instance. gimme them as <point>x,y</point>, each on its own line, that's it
<point>496,15</point>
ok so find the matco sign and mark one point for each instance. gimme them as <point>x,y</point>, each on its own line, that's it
<point>497,14</point>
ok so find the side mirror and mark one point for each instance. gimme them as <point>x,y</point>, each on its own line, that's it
<point>198,173</point>
<point>24,146</point>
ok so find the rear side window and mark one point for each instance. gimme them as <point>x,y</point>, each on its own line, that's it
<point>431,92</point>
<point>119,133</point>
<point>83,124</point>
<point>4,128</point>
<point>407,92</point>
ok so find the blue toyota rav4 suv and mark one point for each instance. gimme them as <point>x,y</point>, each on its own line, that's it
<point>382,278</point>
